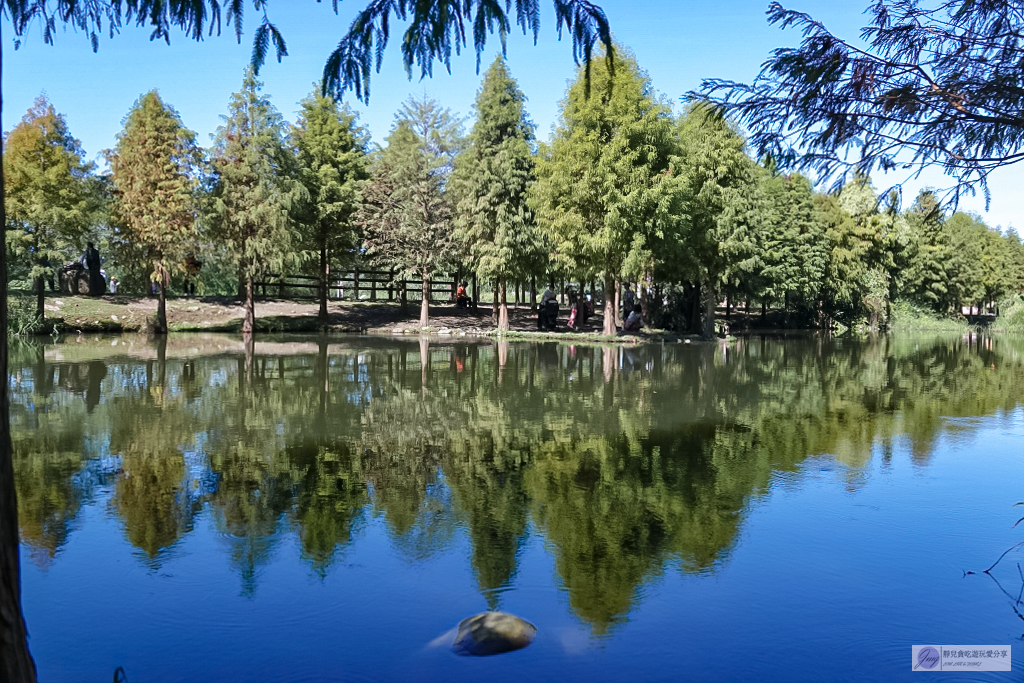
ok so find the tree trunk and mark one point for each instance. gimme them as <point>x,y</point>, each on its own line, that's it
<point>645,299</point>
<point>40,298</point>
<point>609,305</point>
<point>322,314</point>
<point>495,304</point>
<point>533,293</point>
<point>618,302</point>
<point>425,300</point>
<point>405,299</point>
<point>16,665</point>
<point>695,326</point>
<point>161,306</point>
<point>503,309</point>
<point>249,321</point>
<point>710,302</point>
<point>476,292</point>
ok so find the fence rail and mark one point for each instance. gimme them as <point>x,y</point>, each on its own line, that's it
<point>356,285</point>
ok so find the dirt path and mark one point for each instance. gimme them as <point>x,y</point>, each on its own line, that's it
<point>131,314</point>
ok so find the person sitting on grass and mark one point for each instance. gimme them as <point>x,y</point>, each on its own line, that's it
<point>635,320</point>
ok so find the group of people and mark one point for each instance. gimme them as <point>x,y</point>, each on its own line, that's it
<point>581,308</point>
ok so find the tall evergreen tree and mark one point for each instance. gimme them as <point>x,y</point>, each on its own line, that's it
<point>331,149</point>
<point>155,171</point>
<point>724,207</point>
<point>493,223</point>
<point>48,193</point>
<point>254,188</point>
<point>791,245</point>
<point>406,211</point>
<point>926,280</point>
<point>602,191</point>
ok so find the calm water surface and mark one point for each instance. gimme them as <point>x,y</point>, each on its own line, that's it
<point>326,509</point>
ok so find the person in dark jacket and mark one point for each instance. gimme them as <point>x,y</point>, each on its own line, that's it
<point>92,262</point>
<point>547,313</point>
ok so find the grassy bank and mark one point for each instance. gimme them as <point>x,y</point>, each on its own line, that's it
<point>908,317</point>
<point>1011,316</point>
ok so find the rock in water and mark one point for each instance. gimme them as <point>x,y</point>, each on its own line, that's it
<point>491,633</point>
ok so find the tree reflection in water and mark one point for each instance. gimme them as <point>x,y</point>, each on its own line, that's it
<point>627,460</point>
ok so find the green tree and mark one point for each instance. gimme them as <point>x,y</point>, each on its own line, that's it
<point>791,244</point>
<point>254,189</point>
<point>406,211</point>
<point>926,280</point>
<point>602,191</point>
<point>723,207</point>
<point>331,149</point>
<point>964,273</point>
<point>493,222</point>
<point>155,171</point>
<point>47,190</point>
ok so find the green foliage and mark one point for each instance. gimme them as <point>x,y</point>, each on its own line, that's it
<point>792,244</point>
<point>406,210</point>
<point>604,193</point>
<point>254,188</point>
<point>494,226</point>
<point>331,152</point>
<point>22,317</point>
<point>723,207</point>
<point>907,316</point>
<point>1011,314</point>
<point>50,200</point>
<point>155,174</point>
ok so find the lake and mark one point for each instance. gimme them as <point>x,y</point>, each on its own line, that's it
<point>328,508</point>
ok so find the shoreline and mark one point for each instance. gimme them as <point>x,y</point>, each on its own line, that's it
<point>119,314</point>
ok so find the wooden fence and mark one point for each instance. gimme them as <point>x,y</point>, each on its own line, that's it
<point>356,285</point>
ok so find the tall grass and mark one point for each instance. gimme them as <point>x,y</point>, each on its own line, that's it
<point>22,319</point>
<point>1011,315</point>
<point>909,317</point>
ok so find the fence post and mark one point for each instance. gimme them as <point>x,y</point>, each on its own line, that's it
<point>373,287</point>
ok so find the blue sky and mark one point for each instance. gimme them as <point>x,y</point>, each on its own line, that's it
<point>677,42</point>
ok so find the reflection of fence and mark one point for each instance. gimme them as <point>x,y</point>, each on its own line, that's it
<point>356,285</point>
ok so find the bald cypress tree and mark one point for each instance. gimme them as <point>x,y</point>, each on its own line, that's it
<point>603,190</point>
<point>723,206</point>
<point>406,210</point>
<point>494,223</point>
<point>46,181</point>
<point>155,171</point>
<point>254,188</point>
<point>332,163</point>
